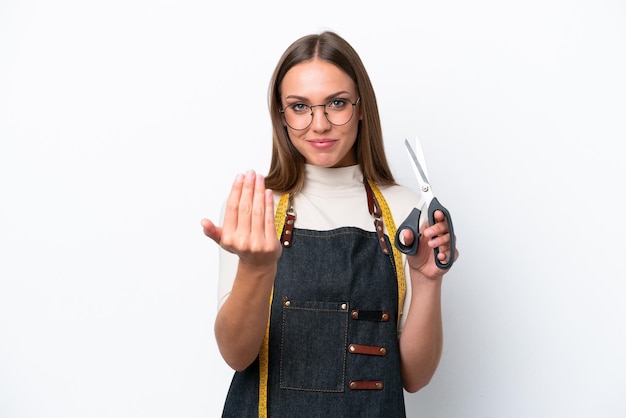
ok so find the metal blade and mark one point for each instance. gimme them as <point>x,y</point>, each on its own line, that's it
<point>419,153</point>
<point>416,164</point>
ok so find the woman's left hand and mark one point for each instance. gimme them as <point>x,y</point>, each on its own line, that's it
<point>432,236</point>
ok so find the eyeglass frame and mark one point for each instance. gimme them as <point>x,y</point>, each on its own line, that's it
<point>282,111</point>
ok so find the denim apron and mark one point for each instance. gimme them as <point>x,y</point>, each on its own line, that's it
<point>333,344</point>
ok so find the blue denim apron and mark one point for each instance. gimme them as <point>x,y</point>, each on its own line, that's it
<point>333,344</point>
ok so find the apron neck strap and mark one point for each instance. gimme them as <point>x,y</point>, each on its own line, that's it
<point>377,214</point>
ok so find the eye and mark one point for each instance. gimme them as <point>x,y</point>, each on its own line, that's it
<point>337,104</point>
<point>299,108</point>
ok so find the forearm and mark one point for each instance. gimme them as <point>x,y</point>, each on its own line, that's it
<point>241,322</point>
<point>421,341</point>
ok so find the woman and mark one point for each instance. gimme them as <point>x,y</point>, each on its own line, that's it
<point>314,298</point>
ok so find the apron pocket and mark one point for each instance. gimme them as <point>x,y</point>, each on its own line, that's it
<point>313,360</point>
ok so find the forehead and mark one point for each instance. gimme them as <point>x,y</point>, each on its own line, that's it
<point>316,79</point>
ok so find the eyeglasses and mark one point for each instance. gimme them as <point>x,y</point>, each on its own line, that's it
<point>338,112</point>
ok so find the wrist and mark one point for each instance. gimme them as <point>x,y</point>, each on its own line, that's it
<point>419,277</point>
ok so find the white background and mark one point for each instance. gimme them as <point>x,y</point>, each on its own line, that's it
<point>123,123</point>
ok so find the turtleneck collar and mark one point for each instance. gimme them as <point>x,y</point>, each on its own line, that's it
<point>334,181</point>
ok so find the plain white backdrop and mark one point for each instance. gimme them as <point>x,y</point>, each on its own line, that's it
<point>123,123</point>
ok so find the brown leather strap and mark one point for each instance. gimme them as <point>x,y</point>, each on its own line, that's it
<point>377,214</point>
<point>371,350</point>
<point>290,220</point>
<point>366,384</point>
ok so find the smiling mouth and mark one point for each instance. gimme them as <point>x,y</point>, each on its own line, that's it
<point>322,144</point>
<point>321,141</point>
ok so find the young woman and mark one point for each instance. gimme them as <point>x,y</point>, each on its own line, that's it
<point>319,314</point>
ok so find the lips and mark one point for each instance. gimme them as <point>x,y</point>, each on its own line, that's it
<point>322,143</point>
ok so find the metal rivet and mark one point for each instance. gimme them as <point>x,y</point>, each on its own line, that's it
<point>424,188</point>
<point>287,232</point>
<point>287,303</point>
<point>386,251</point>
<point>352,385</point>
<point>344,306</point>
<point>287,244</point>
<point>385,316</point>
<point>289,222</point>
<point>352,348</point>
<point>355,314</point>
<point>378,385</point>
<point>383,350</point>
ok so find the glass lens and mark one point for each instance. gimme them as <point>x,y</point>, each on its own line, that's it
<point>339,111</point>
<point>298,116</point>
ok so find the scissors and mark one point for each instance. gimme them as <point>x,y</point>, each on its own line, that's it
<point>427,207</point>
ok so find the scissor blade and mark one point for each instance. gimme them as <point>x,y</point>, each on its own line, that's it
<point>416,163</point>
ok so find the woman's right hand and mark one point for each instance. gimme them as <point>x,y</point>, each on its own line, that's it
<point>249,229</point>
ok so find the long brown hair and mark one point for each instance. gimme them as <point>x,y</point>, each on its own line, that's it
<point>286,173</point>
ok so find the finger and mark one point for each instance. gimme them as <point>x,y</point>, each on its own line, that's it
<point>440,227</point>
<point>407,237</point>
<point>441,241</point>
<point>442,248</point>
<point>246,201</point>
<point>439,216</point>
<point>270,223</point>
<point>231,211</point>
<point>207,226</point>
<point>445,257</point>
<point>437,230</point>
<point>211,230</point>
<point>257,215</point>
<point>444,251</point>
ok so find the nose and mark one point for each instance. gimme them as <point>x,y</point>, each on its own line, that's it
<point>320,120</point>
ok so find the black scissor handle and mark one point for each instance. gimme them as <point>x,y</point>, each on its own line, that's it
<point>435,205</point>
<point>412,223</point>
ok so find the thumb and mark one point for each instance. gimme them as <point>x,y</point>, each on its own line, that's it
<point>211,230</point>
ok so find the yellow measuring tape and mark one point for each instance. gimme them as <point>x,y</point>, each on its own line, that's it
<point>279,219</point>
<point>397,256</point>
